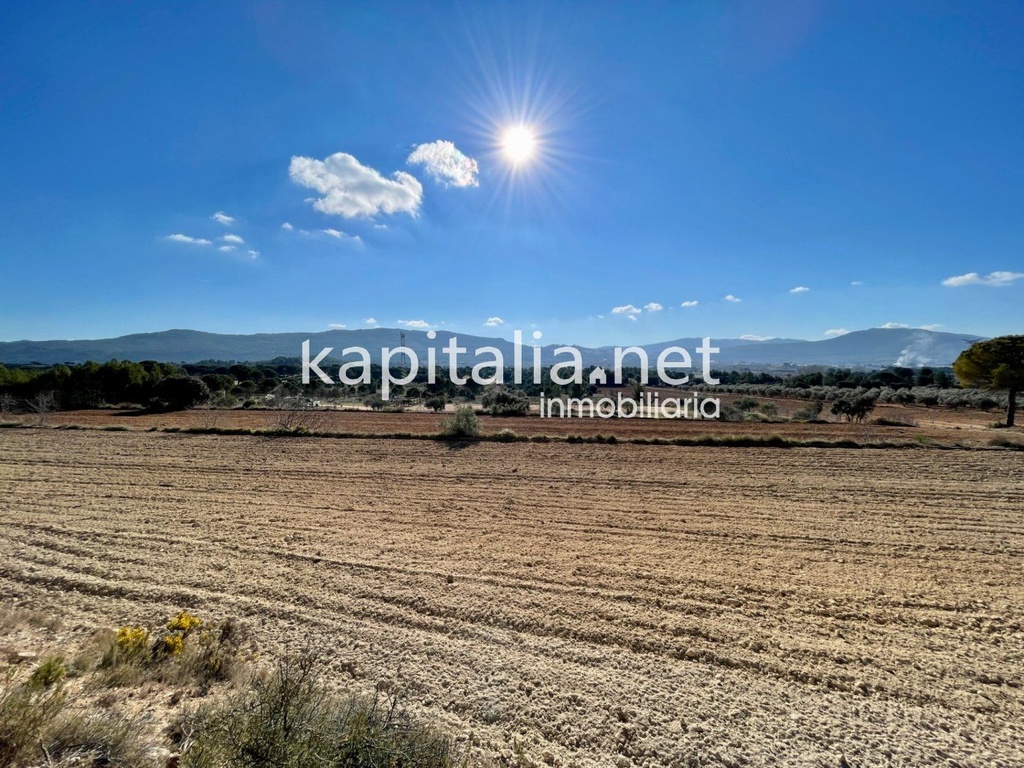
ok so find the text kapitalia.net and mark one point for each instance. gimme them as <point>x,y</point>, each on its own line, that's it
<point>491,370</point>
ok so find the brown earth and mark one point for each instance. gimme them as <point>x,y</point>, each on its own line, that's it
<point>919,425</point>
<point>573,604</point>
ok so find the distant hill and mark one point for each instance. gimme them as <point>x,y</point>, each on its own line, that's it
<point>877,347</point>
<point>873,348</point>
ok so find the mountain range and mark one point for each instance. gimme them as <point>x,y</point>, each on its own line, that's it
<point>872,348</point>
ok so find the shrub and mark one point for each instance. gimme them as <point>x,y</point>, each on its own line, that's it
<point>501,401</point>
<point>184,655</point>
<point>505,436</point>
<point>729,413</point>
<point>436,404</point>
<point>216,655</point>
<point>462,423</point>
<point>51,672</point>
<point>290,719</point>
<point>184,623</point>
<point>36,728</point>
<point>131,640</point>
<point>169,645</point>
<point>25,715</point>
<point>811,412</point>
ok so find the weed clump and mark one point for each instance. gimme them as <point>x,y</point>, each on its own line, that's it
<point>185,654</point>
<point>38,728</point>
<point>289,719</point>
<point>48,674</point>
<point>464,423</point>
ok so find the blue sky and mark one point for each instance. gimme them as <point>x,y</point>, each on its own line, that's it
<point>871,153</point>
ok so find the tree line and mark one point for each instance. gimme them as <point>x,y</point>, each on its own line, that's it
<point>988,375</point>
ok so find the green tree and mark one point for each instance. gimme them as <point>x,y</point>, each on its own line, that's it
<point>178,393</point>
<point>994,364</point>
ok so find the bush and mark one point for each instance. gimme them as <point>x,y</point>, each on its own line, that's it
<point>131,641</point>
<point>48,674</point>
<point>436,404</point>
<point>501,401</point>
<point>811,412</point>
<point>505,436</point>
<point>184,623</point>
<point>178,393</point>
<point>290,719</point>
<point>24,716</point>
<point>183,655</point>
<point>462,423</point>
<point>37,728</point>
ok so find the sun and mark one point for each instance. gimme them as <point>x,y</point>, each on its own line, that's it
<point>519,144</point>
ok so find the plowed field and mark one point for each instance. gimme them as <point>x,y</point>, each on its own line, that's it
<point>577,604</point>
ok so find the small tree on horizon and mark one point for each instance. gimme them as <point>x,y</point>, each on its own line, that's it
<point>179,393</point>
<point>436,404</point>
<point>994,364</point>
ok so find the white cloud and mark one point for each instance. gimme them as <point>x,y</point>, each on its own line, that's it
<point>189,240</point>
<point>753,337</point>
<point>857,283</point>
<point>370,321</point>
<point>631,317</point>
<point>627,309</point>
<point>732,299</point>
<point>414,323</point>
<point>336,327</point>
<point>836,332</point>
<point>932,327</point>
<point>351,189</point>
<point>799,289</point>
<point>253,254</point>
<point>992,279</point>
<point>494,321</point>
<point>895,325</point>
<point>445,164</point>
<point>287,227</point>
<point>689,304</point>
<point>222,218</point>
<point>232,239</point>
<point>653,307</point>
<point>226,248</point>
<point>339,235</point>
